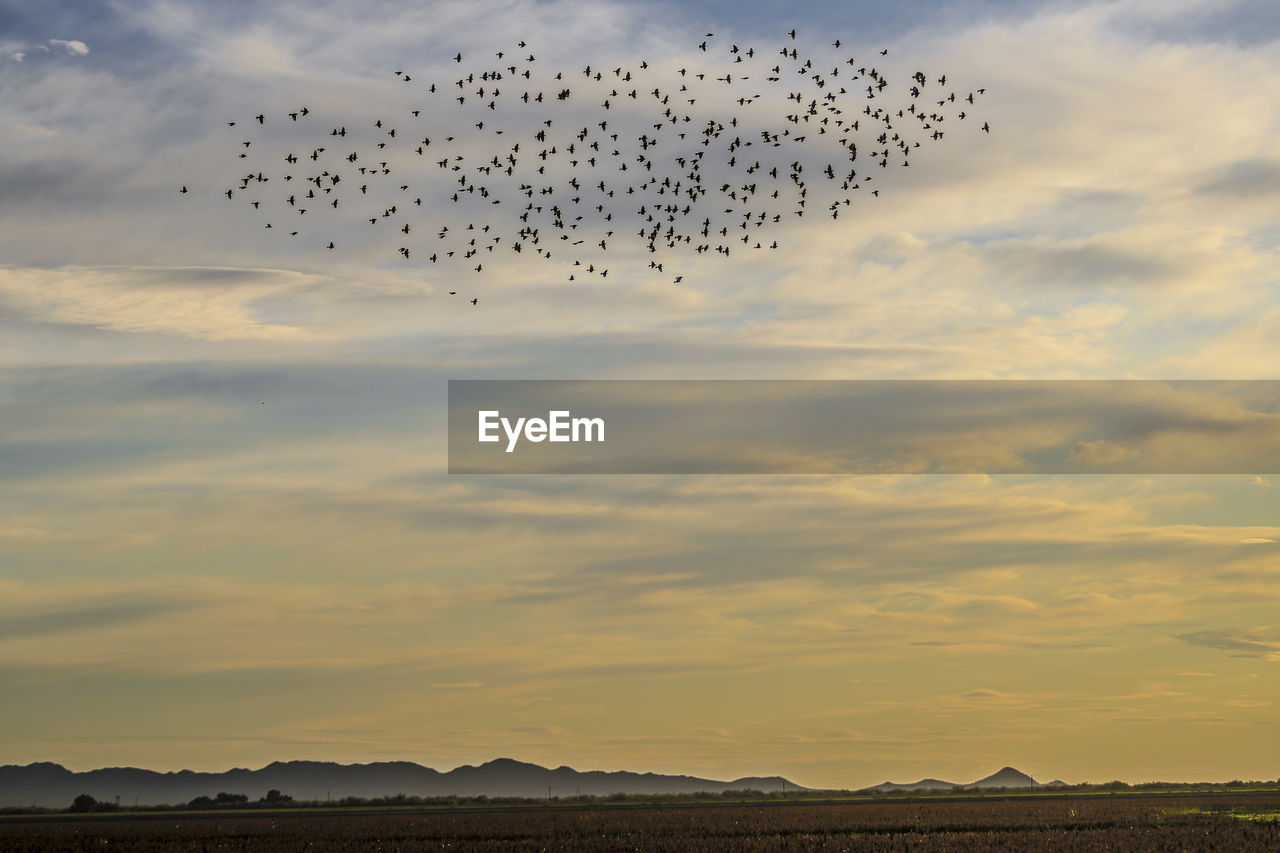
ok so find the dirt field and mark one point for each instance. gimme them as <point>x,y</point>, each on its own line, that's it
<point>1236,824</point>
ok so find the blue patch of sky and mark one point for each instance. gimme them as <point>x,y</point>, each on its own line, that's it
<point>1246,23</point>
<point>853,22</point>
<point>115,43</point>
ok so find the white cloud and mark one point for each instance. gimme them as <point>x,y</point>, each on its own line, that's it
<point>196,303</point>
<point>71,46</point>
<point>1099,452</point>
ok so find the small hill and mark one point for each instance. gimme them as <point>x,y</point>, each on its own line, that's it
<point>1005,777</point>
<point>922,785</point>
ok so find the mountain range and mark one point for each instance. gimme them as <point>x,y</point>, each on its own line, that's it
<point>53,785</point>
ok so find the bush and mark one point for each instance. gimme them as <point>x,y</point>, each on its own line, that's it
<point>83,803</point>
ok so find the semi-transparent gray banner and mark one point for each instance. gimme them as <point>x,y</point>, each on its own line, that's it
<point>864,427</point>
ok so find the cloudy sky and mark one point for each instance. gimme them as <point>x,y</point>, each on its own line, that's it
<point>227,534</point>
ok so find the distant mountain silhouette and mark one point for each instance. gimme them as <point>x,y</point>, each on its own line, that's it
<point>1005,777</point>
<point>53,785</point>
<point>922,785</point>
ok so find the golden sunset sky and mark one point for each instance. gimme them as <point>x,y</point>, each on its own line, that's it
<point>227,534</point>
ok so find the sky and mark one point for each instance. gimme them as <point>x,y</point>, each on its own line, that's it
<point>227,531</point>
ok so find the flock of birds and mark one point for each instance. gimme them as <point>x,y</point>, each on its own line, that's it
<point>716,154</point>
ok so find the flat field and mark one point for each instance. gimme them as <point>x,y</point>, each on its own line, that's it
<point>1130,823</point>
